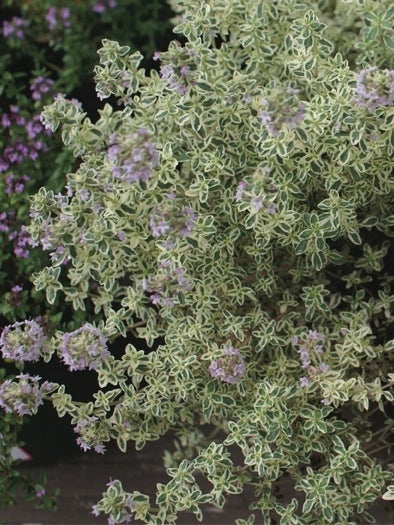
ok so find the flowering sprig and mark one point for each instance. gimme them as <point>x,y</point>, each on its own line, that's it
<point>90,436</point>
<point>166,220</point>
<point>164,288</point>
<point>230,367</point>
<point>58,18</point>
<point>374,88</point>
<point>86,347</point>
<point>15,28</point>
<point>282,110</point>
<point>23,341</point>
<point>102,5</point>
<point>308,347</point>
<point>24,396</point>
<point>257,192</point>
<point>133,158</point>
<point>40,86</point>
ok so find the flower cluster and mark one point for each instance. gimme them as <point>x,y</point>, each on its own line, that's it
<point>15,184</point>
<point>133,157</point>
<point>24,396</point>
<point>14,28</point>
<point>165,287</point>
<point>89,433</point>
<point>281,111</point>
<point>102,5</point>
<point>177,78</point>
<point>166,219</point>
<point>258,191</point>
<point>6,220</point>
<point>58,17</point>
<point>307,348</point>
<point>374,88</point>
<point>22,341</point>
<point>84,348</point>
<point>40,86</point>
<point>22,242</point>
<point>230,367</point>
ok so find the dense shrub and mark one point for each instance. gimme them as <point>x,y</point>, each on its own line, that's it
<point>238,205</point>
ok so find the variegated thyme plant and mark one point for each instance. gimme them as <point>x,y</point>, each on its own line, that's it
<point>239,206</point>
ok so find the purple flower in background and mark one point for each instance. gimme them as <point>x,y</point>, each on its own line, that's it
<point>22,241</point>
<point>84,348</point>
<point>39,86</point>
<point>230,367</point>
<point>22,341</point>
<point>40,492</point>
<point>14,28</point>
<point>15,185</point>
<point>58,17</point>
<point>102,5</point>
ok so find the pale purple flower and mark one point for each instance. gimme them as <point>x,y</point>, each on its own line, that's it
<point>102,5</point>
<point>257,203</point>
<point>159,224</point>
<point>23,396</point>
<point>134,159</point>
<point>14,28</point>
<point>271,208</point>
<point>185,71</point>
<point>304,382</point>
<point>265,117</point>
<point>164,288</point>
<point>40,86</point>
<point>166,71</point>
<point>240,190</point>
<point>156,56</point>
<point>23,341</point>
<point>58,17</point>
<point>15,185</point>
<point>84,348</point>
<point>230,367</point>
<point>95,511</point>
<point>40,492</point>
<point>374,88</point>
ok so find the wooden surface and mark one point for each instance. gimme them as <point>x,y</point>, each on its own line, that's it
<point>82,479</point>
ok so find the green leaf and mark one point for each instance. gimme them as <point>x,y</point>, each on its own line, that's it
<point>389,41</point>
<point>301,247</point>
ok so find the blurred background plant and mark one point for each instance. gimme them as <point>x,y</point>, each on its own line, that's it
<point>47,48</point>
